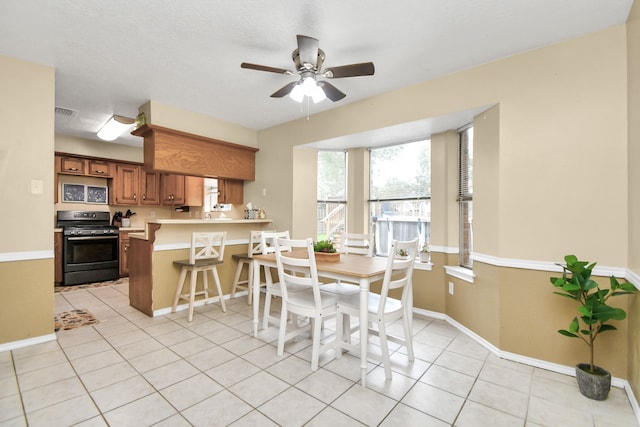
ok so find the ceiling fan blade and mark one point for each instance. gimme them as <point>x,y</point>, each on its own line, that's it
<point>265,68</point>
<point>332,92</point>
<point>284,91</point>
<point>353,70</point>
<point>308,50</point>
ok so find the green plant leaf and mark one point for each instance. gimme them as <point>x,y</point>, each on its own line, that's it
<point>603,312</point>
<point>589,284</point>
<point>566,295</point>
<point>585,311</point>
<point>574,325</point>
<point>607,327</point>
<point>570,259</point>
<point>567,333</point>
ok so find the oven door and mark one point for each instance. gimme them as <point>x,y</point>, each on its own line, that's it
<point>90,259</point>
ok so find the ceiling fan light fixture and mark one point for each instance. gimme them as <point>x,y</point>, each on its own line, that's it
<point>297,93</point>
<point>114,127</point>
<point>318,95</point>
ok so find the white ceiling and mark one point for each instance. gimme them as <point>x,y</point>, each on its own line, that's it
<point>113,56</point>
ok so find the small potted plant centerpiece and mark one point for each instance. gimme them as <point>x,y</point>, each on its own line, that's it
<point>325,251</point>
<point>594,313</point>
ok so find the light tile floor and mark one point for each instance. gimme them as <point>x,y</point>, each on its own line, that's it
<point>133,370</point>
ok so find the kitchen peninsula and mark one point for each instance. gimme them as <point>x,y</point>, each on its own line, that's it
<point>153,277</point>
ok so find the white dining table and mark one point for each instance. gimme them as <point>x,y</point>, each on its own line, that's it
<point>350,268</point>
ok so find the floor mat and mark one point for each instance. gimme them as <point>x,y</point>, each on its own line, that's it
<point>74,319</point>
<point>121,281</point>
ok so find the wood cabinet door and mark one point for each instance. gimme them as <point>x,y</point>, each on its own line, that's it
<point>126,185</point>
<point>172,189</point>
<point>100,168</point>
<point>124,254</point>
<point>73,165</point>
<point>230,191</point>
<point>149,188</point>
<point>193,191</point>
<point>57,256</point>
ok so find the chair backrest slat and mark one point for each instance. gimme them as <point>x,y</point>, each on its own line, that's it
<point>268,241</point>
<point>296,269</point>
<point>356,243</point>
<point>399,271</point>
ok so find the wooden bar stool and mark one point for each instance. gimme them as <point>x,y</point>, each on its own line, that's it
<point>254,248</point>
<point>206,252</point>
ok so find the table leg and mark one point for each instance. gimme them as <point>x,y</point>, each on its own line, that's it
<point>364,329</point>
<point>256,296</point>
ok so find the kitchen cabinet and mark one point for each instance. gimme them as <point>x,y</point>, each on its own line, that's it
<point>125,187</point>
<point>132,185</point>
<point>100,168</point>
<point>57,257</point>
<point>149,188</point>
<point>172,189</point>
<point>70,165</point>
<point>230,191</point>
<point>124,253</point>
<point>180,190</point>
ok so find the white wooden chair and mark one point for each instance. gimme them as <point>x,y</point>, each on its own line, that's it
<point>351,243</point>
<point>308,300</point>
<point>254,248</point>
<point>205,253</point>
<point>383,309</point>
<point>269,246</point>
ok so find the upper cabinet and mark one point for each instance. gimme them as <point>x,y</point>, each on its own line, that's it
<point>149,188</point>
<point>124,189</point>
<point>180,190</point>
<point>100,168</point>
<point>230,191</point>
<point>172,151</point>
<point>70,165</point>
<point>130,184</point>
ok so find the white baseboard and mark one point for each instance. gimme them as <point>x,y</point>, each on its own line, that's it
<point>538,363</point>
<point>13,345</point>
<point>198,303</point>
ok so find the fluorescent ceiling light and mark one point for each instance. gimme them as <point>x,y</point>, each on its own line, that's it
<point>115,126</point>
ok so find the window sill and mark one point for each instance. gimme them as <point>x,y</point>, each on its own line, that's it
<point>426,266</point>
<point>461,273</point>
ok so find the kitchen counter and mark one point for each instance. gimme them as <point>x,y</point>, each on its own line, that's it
<point>153,277</point>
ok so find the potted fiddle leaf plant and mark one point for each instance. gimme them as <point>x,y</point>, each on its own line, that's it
<point>594,317</point>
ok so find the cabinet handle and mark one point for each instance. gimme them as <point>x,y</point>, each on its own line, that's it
<point>135,197</point>
<point>73,169</point>
<point>99,172</point>
<point>144,197</point>
<point>125,249</point>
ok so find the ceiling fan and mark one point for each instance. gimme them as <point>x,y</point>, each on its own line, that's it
<point>308,59</point>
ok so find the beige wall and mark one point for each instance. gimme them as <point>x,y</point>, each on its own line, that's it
<point>26,223</point>
<point>633,76</point>
<point>93,148</point>
<point>358,190</point>
<point>172,117</point>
